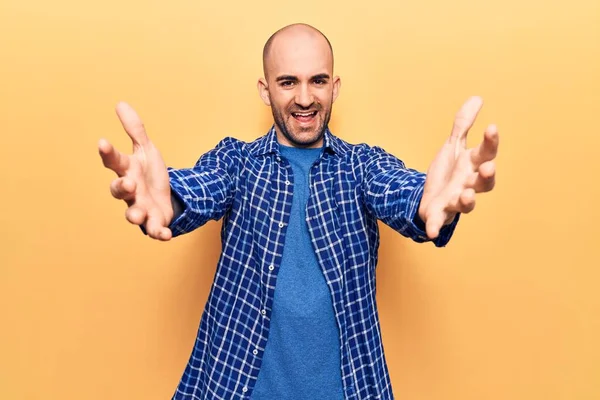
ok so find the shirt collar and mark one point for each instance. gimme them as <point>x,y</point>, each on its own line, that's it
<point>268,144</point>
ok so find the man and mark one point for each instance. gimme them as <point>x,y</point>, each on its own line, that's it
<point>300,207</point>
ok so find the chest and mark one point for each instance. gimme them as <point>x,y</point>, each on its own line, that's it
<point>265,187</point>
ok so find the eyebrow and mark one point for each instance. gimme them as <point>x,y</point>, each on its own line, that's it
<point>286,78</point>
<point>321,76</point>
<point>295,78</point>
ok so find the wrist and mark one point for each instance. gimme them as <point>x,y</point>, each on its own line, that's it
<point>177,208</point>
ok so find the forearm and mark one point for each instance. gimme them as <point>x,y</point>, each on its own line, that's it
<point>198,196</point>
<point>393,194</point>
<point>397,204</point>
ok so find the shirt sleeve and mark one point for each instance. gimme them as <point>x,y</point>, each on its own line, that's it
<point>206,191</point>
<point>393,194</point>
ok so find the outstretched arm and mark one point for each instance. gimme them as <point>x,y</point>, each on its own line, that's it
<point>167,202</point>
<point>427,206</point>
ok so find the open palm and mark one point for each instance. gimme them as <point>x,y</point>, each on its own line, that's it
<point>143,180</point>
<point>458,173</point>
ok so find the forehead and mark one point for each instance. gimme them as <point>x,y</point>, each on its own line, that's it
<point>301,55</point>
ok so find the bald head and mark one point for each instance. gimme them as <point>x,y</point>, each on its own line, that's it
<point>295,37</point>
<point>299,84</point>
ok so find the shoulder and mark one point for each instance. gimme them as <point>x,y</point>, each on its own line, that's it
<point>261,146</point>
<point>227,154</point>
<point>233,147</point>
<point>363,154</point>
<point>230,144</point>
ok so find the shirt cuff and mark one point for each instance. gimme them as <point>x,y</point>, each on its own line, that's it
<point>445,233</point>
<point>180,211</point>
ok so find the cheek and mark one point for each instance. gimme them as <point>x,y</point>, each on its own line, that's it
<point>282,100</point>
<point>325,100</point>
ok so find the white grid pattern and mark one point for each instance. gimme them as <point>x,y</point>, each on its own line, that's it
<point>351,187</point>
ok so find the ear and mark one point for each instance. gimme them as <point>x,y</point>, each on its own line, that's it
<point>337,83</point>
<point>263,91</point>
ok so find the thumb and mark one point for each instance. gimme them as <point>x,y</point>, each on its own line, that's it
<point>155,225</point>
<point>435,219</point>
<point>464,120</point>
<point>132,124</point>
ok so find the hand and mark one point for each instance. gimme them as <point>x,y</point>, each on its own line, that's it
<point>457,173</point>
<point>143,180</point>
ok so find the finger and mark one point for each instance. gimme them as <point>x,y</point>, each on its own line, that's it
<point>462,202</point>
<point>434,225</point>
<point>132,124</point>
<point>112,158</point>
<point>488,148</point>
<point>166,235</point>
<point>484,179</point>
<point>435,219</point>
<point>466,201</point>
<point>136,215</point>
<point>464,120</point>
<point>155,226</point>
<point>123,188</point>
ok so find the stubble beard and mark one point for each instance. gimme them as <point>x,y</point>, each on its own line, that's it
<point>295,139</point>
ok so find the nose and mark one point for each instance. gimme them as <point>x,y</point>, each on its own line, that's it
<point>304,97</point>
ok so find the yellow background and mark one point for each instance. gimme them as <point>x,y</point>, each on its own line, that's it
<point>92,309</point>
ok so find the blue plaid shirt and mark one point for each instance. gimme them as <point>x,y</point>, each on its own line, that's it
<point>250,186</point>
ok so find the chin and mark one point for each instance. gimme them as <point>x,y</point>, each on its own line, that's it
<point>306,138</point>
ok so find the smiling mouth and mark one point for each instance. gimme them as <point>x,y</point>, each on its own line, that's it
<point>304,116</point>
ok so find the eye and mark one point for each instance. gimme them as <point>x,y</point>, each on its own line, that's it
<point>286,83</point>
<point>320,81</point>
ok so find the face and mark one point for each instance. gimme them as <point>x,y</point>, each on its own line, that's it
<point>300,88</point>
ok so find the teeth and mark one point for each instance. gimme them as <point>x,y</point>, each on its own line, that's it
<point>304,114</point>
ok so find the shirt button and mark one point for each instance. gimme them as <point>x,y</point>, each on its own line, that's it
<point>278,159</point>
<point>271,267</point>
<point>281,224</point>
<point>287,183</point>
<point>255,352</point>
<point>245,389</point>
<point>263,312</point>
